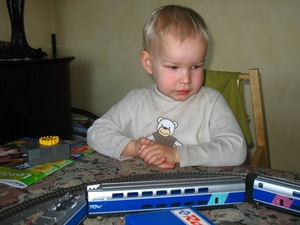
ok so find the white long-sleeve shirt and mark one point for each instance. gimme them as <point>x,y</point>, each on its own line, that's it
<point>203,127</point>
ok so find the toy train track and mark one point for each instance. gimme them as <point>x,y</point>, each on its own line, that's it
<point>170,176</point>
<point>21,211</point>
<point>144,192</point>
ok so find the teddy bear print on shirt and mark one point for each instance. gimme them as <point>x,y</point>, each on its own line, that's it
<point>164,130</point>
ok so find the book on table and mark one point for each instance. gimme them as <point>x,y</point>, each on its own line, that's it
<point>16,172</point>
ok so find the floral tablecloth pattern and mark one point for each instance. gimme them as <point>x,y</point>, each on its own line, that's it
<point>96,167</point>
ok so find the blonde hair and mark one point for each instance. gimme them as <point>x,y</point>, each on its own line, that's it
<point>184,22</point>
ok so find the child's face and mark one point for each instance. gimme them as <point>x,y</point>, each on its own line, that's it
<point>177,67</point>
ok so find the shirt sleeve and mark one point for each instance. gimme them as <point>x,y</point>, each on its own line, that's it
<point>226,145</point>
<point>111,133</point>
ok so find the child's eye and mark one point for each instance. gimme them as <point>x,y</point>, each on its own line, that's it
<point>173,67</point>
<point>196,67</point>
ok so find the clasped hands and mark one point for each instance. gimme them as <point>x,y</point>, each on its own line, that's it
<point>156,154</point>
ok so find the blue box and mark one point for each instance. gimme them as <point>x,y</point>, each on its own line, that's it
<point>181,216</point>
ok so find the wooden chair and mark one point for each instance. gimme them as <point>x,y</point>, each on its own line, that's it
<point>261,156</point>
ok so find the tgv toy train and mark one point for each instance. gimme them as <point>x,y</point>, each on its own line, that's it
<point>277,193</point>
<point>200,192</point>
<point>153,195</point>
<point>170,191</point>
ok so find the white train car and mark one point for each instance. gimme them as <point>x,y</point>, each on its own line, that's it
<point>133,196</point>
<point>281,194</point>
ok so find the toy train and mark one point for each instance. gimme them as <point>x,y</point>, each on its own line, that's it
<point>148,192</point>
<point>161,194</point>
<point>280,194</point>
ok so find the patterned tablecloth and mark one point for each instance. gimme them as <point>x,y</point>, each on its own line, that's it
<point>96,167</point>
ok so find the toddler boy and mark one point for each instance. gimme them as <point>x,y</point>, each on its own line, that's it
<point>176,120</point>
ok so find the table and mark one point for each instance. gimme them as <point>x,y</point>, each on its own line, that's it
<point>96,167</point>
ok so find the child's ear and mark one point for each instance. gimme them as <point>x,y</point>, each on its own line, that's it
<point>146,61</point>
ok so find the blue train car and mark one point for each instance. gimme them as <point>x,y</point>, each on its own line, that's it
<point>164,194</point>
<point>277,193</point>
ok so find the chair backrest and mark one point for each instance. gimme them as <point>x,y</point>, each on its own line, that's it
<point>261,155</point>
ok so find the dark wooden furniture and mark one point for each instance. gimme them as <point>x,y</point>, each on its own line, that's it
<point>35,98</point>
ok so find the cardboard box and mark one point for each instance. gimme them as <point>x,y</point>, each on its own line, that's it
<point>182,216</point>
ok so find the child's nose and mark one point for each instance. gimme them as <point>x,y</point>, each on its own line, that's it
<point>186,77</point>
